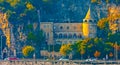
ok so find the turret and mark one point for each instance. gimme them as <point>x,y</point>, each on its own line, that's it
<point>89,25</point>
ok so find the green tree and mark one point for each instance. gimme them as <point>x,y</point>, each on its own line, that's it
<point>108,46</point>
<point>114,38</point>
<point>37,39</point>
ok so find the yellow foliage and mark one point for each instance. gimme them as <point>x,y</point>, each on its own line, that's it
<point>114,27</point>
<point>27,50</point>
<point>65,49</point>
<point>29,6</point>
<point>91,45</point>
<point>93,1</point>
<point>86,40</point>
<point>13,2</point>
<point>101,23</point>
<point>113,15</point>
<point>5,28</point>
<point>1,1</point>
<point>86,29</point>
<point>82,46</point>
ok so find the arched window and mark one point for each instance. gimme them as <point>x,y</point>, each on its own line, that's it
<point>74,35</point>
<point>79,36</point>
<point>70,36</point>
<point>60,35</point>
<point>48,35</point>
<point>65,35</point>
<point>67,27</point>
<point>95,21</point>
<point>55,35</point>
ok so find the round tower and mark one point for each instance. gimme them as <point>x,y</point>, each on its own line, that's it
<point>89,25</point>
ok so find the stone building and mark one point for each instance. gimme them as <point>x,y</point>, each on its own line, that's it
<point>62,33</point>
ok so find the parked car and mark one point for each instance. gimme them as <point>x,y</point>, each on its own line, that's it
<point>11,58</point>
<point>64,59</point>
<point>91,59</point>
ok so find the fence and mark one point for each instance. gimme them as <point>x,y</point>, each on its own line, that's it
<point>57,62</point>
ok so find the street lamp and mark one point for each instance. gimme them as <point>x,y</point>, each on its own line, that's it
<point>116,51</point>
<point>2,44</point>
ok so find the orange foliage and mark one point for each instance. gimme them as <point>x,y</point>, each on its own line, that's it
<point>110,54</point>
<point>116,46</point>
<point>97,54</point>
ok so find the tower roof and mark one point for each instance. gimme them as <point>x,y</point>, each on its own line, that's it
<point>89,15</point>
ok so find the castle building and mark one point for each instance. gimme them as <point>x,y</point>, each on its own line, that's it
<point>62,33</point>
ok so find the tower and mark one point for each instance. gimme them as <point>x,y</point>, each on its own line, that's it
<point>89,25</point>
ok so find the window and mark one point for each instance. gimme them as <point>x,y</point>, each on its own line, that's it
<point>54,27</point>
<point>90,20</point>
<point>70,36</point>
<point>60,35</point>
<point>65,35</point>
<point>74,35</point>
<point>74,27</point>
<point>79,36</point>
<point>67,27</point>
<point>95,21</point>
<point>61,27</point>
<point>44,26</point>
<point>47,35</point>
<point>55,35</point>
<point>85,21</point>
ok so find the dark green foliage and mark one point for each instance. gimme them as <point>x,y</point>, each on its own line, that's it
<point>31,36</point>
<point>115,38</point>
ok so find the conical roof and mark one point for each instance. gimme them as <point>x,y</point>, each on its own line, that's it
<point>89,15</point>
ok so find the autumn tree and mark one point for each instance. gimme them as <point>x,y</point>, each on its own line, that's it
<point>93,1</point>
<point>28,51</point>
<point>97,54</point>
<point>65,49</point>
<point>110,54</point>
<point>81,46</point>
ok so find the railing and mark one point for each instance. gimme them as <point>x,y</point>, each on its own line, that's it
<point>57,62</point>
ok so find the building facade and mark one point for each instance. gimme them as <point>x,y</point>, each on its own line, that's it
<point>62,33</point>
